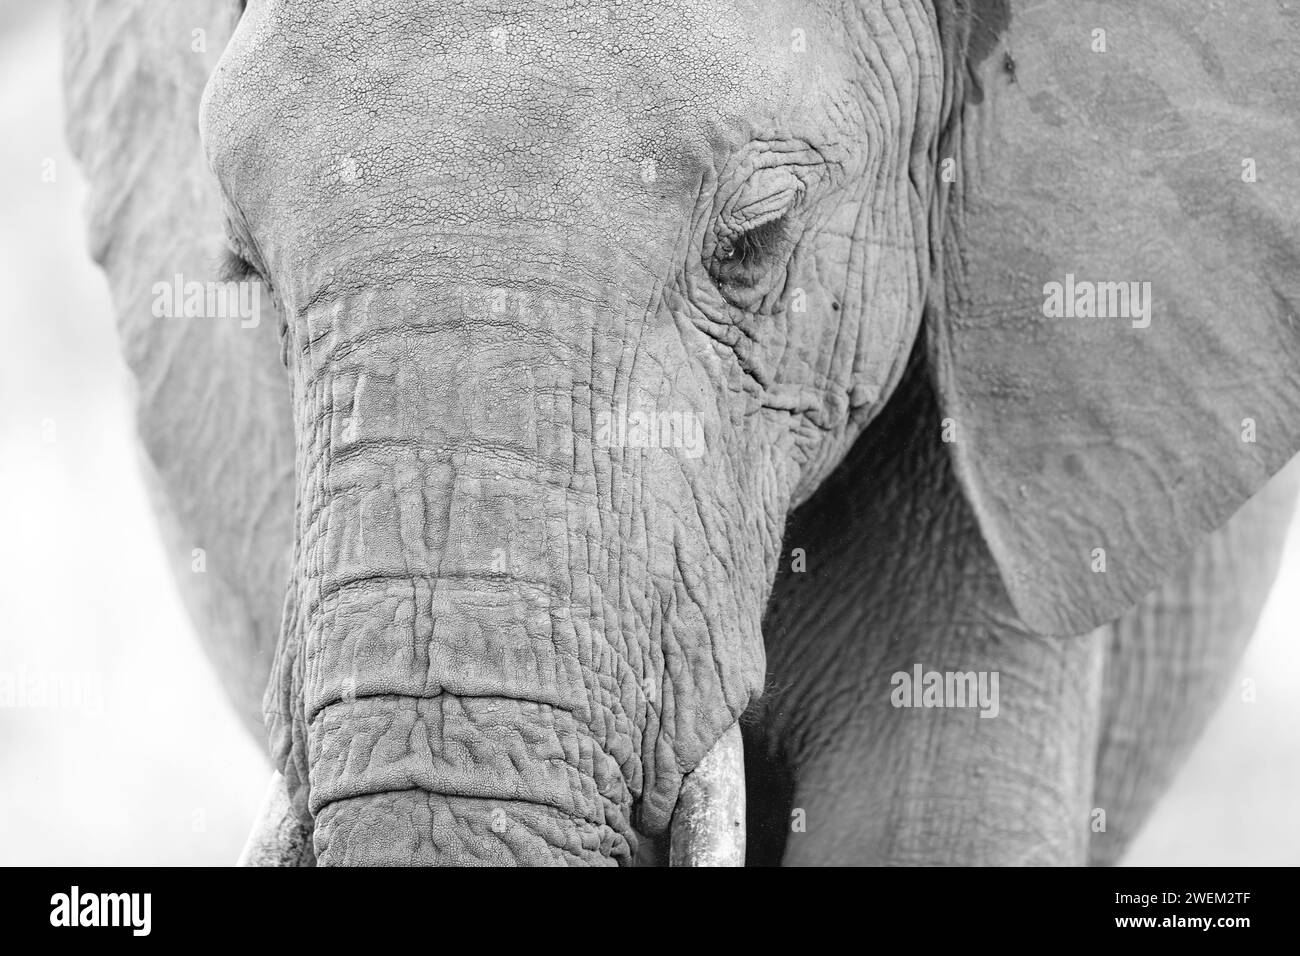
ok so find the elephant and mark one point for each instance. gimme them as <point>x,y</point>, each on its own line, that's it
<point>759,432</point>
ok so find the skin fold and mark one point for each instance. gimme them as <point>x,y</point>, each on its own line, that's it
<point>808,243</point>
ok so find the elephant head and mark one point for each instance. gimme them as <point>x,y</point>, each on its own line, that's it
<point>574,306</point>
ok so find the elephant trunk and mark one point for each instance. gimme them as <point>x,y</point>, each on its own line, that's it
<point>449,716</point>
<point>455,684</point>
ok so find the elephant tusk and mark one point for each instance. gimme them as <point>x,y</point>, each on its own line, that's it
<point>279,837</point>
<point>708,825</point>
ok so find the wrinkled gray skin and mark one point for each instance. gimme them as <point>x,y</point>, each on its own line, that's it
<point>486,230</point>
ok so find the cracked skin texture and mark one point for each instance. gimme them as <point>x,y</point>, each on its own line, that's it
<point>491,228</point>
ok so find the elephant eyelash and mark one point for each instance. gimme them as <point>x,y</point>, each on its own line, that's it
<point>235,268</point>
<point>742,257</point>
<point>746,247</point>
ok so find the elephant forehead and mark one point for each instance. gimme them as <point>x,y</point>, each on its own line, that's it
<point>332,119</point>
<point>572,73</point>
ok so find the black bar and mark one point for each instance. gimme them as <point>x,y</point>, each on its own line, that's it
<point>929,906</point>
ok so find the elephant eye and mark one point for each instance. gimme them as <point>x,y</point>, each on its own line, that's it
<point>235,268</point>
<point>754,235</point>
<point>746,247</point>
<point>747,262</point>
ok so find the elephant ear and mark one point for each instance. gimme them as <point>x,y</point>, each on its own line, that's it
<point>213,408</point>
<point>1154,142</point>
